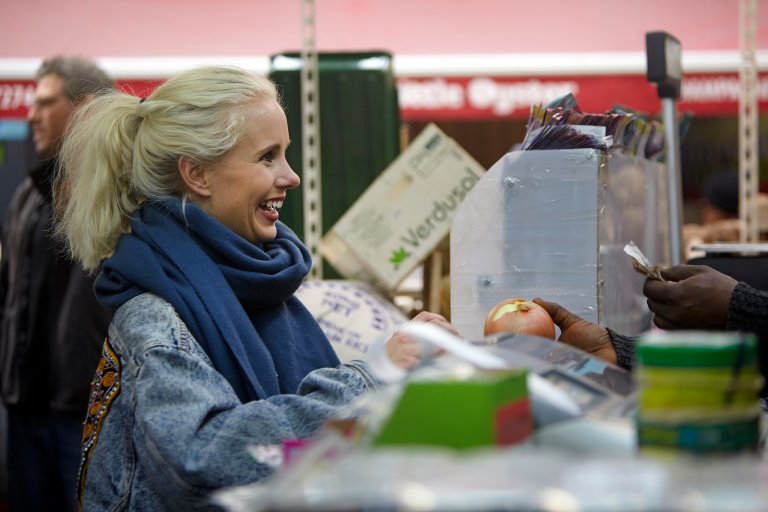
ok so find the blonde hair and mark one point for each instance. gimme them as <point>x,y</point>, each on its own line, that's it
<point>120,152</point>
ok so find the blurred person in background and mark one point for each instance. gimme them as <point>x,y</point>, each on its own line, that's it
<point>719,210</point>
<point>720,198</point>
<point>51,327</point>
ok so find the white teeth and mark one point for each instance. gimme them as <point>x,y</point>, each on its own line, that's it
<point>273,205</point>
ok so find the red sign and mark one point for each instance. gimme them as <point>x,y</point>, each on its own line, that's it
<point>443,98</point>
<point>16,96</point>
<point>466,98</point>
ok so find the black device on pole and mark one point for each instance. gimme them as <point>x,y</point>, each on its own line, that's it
<point>664,63</point>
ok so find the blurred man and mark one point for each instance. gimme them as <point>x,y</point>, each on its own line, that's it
<point>51,327</point>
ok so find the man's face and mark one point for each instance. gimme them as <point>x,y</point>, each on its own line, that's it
<point>49,115</point>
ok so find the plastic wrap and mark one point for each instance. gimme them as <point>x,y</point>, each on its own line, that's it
<point>526,477</point>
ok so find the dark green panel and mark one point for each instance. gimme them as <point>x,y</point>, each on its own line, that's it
<point>359,128</point>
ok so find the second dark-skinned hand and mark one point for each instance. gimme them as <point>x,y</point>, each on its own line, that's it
<point>692,297</point>
<point>580,333</point>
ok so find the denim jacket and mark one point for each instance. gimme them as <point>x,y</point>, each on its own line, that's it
<point>165,429</point>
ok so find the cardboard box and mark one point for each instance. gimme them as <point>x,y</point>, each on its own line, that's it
<point>404,213</point>
<point>488,410</point>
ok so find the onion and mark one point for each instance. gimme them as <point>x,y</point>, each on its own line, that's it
<point>519,316</point>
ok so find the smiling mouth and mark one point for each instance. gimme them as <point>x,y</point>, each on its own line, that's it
<point>271,206</point>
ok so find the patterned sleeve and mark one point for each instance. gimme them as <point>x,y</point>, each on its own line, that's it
<point>748,310</point>
<point>625,349</point>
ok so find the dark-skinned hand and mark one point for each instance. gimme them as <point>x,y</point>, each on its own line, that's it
<point>692,297</point>
<point>579,333</point>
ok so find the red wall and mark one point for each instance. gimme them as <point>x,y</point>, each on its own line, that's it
<point>106,28</point>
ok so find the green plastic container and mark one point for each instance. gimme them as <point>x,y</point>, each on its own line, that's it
<point>697,349</point>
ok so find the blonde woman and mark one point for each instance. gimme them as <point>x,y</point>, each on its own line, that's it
<point>177,197</point>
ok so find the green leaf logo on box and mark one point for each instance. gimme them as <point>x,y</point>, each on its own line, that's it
<point>399,256</point>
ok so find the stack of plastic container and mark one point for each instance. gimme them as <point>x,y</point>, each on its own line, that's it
<point>698,392</point>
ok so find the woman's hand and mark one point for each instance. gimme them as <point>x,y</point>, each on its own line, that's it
<point>692,297</point>
<point>579,333</point>
<point>403,351</point>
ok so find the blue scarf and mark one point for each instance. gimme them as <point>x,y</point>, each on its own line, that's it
<point>235,297</point>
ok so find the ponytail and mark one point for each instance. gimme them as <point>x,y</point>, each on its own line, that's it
<point>93,186</point>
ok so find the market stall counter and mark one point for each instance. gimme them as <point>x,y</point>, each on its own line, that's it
<point>581,455</point>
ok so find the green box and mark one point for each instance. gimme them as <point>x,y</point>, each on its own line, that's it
<point>491,409</point>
